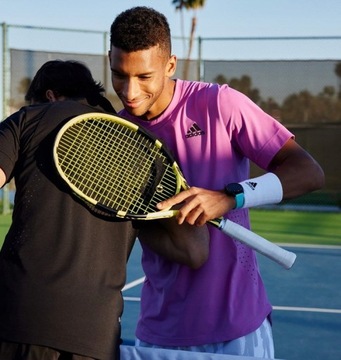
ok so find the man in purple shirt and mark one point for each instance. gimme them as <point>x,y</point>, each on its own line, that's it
<point>214,132</point>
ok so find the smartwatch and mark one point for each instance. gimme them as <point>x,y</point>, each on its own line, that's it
<point>236,190</point>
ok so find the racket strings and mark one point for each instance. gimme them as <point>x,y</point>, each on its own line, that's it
<point>90,148</point>
<point>79,144</point>
<point>150,176</point>
<point>115,166</point>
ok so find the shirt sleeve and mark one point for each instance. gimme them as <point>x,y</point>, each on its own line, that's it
<point>9,143</point>
<point>254,133</point>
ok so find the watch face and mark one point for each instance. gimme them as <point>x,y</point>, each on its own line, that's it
<point>234,189</point>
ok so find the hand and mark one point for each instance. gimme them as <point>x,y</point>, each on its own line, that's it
<point>196,206</point>
<point>184,244</point>
<point>2,178</point>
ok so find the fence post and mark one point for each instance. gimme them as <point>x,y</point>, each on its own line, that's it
<point>200,74</point>
<point>5,190</point>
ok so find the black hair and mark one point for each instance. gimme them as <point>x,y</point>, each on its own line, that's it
<point>69,78</point>
<point>140,28</point>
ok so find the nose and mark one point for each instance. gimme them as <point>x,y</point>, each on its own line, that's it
<point>131,89</point>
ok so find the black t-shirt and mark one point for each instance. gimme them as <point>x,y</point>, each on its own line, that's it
<point>61,266</point>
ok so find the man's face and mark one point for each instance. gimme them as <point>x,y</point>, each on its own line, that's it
<point>141,80</point>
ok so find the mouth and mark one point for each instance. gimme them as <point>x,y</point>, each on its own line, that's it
<point>132,104</point>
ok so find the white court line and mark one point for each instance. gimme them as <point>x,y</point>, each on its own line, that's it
<point>279,308</point>
<point>310,246</point>
<point>133,283</point>
<point>319,310</point>
<point>132,298</point>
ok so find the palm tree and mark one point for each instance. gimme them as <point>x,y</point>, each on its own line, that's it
<point>194,5</point>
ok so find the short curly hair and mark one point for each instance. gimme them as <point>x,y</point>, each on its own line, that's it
<point>71,79</point>
<point>68,78</point>
<point>140,28</point>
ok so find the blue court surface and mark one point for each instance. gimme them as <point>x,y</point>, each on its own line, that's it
<point>306,300</point>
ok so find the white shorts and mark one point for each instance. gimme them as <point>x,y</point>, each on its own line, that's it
<point>258,344</point>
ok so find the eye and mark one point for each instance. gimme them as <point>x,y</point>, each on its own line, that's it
<point>145,77</point>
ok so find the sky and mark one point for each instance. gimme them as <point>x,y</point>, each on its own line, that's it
<point>218,18</point>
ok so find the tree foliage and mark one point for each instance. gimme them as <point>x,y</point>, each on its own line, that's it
<point>301,107</point>
<point>188,4</point>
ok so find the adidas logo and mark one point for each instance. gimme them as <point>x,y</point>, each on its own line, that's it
<point>251,184</point>
<point>194,130</point>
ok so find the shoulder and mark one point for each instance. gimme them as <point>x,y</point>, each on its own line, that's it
<point>14,121</point>
<point>203,94</point>
<point>197,87</point>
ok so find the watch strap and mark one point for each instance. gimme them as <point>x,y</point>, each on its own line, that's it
<point>239,200</point>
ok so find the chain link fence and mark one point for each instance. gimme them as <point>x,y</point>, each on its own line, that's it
<point>304,94</point>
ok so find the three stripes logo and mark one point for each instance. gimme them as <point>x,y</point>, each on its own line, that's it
<point>252,185</point>
<point>194,130</point>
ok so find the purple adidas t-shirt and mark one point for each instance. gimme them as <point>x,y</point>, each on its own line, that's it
<point>212,131</point>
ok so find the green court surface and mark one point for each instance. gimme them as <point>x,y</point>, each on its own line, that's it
<point>300,227</point>
<point>5,221</point>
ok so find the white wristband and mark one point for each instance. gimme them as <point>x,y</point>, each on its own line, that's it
<point>263,190</point>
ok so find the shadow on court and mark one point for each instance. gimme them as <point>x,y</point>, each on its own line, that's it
<point>306,300</point>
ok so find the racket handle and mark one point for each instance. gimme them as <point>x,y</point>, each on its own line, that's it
<point>258,243</point>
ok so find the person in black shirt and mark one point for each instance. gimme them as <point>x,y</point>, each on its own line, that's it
<point>63,265</point>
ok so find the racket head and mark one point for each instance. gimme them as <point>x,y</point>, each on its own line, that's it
<point>116,166</point>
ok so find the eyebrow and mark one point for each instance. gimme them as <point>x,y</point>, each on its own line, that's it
<point>139,74</point>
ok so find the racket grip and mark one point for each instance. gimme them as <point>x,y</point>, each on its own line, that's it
<point>265,247</point>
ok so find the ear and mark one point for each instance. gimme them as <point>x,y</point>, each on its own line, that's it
<point>50,96</point>
<point>171,66</point>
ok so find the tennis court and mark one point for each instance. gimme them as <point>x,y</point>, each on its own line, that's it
<point>306,299</point>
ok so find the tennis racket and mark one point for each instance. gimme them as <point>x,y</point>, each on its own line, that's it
<point>123,170</point>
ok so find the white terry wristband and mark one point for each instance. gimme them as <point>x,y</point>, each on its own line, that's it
<point>263,190</point>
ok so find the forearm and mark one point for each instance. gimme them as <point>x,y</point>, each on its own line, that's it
<point>185,244</point>
<point>292,173</point>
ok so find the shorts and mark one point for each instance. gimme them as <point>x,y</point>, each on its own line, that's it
<point>258,344</point>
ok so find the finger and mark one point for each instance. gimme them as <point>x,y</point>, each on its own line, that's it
<point>174,200</point>
<point>201,220</point>
<point>194,215</point>
<point>189,212</point>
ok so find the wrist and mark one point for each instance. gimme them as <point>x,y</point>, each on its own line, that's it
<point>236,191</point>
<point>263,190</point>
